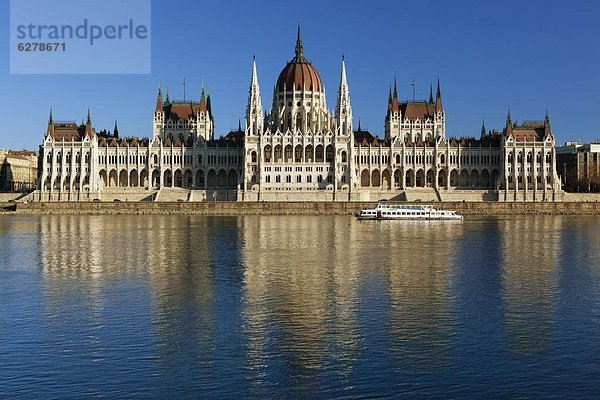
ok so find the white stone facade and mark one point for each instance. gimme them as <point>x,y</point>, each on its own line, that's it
<point>298,151</point>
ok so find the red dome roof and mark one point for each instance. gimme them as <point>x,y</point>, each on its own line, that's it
<point>299,74</point>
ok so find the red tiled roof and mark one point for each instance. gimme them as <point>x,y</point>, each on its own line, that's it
<point>414,110</point>
<point>181,110</point>
<point>528,135</point>
<point>67,132</point>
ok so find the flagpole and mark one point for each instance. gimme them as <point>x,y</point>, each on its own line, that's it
<point>183,89</point>
<point>413,85</point>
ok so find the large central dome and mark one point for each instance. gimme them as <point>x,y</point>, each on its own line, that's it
<point>299,74</point>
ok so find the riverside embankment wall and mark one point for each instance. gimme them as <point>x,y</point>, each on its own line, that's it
<point>238,208</point>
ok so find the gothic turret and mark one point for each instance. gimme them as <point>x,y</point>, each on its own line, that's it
<point>159,114</point>
<point>394,115</point>
<point>343,111</point>
<point>254,121</point>
<point>50,129</point>
<point>438,98</point>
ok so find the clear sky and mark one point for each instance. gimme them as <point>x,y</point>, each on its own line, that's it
<point>529,55</point>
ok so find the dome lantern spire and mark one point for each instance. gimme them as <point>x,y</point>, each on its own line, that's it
<point>299,48</point>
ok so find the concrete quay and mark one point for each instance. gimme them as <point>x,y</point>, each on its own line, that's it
<point>296,208</point>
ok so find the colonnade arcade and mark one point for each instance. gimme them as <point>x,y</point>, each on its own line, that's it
<point>200,179</point>
<point>401,178</point>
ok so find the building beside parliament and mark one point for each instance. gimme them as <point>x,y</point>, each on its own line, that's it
<point>299,151</point>
<point>18,170</point>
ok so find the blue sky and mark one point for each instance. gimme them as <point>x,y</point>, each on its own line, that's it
<point>529,55</point>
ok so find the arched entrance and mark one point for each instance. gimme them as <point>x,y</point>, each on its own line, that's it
<point>430,178</point>
<point>474,178</point>
<point>365,178</point>
<point>168,178</point>
<point>386,180</point>
<point>442,178</point>
<point>420,178</point>
<point>463,179</point>
<point>454,178</point>
<point>375,178</point>
<point>410,178</point>
<point>484,179</point>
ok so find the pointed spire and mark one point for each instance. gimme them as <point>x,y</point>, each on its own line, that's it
<point>438,97</point>
<point>209,105</point>
<point>390,94</point>
<point>239,124</point>
<point>547,118</point>
<point>299,49</point>
<point>254,120</point>
<point>116,130</point>
<point>343,103</point>
<point>159,103</point>
<point>483,128</point>
<point>88,124</point>
<point>359,128</point>
<point>395,89</point>
<point>254,78</point>
<point>167,99</point>
<point>508,120</point>
<point>431,93</point>
<point>50,129</point>
<point>343,80</point>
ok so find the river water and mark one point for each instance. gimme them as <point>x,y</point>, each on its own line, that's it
<point>299,307</point>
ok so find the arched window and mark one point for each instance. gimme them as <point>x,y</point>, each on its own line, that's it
<point>155,158</point>
<point>199,159</point>
<point>443,158</point>
<point>397,158</point>
<point>267,153</point>
<point>253,156</point>
<point>329,153</point>
<point>344,157</point>
<point>278,152</point>
<point>288,153</point>
<point>319,153</point>
<point>298,153</point>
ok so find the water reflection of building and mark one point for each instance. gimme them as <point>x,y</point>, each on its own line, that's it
<point>530,247</point>
<point>315,290</point>
<point>301,282</point>
<point>164,269</point>
<point>420,314</point>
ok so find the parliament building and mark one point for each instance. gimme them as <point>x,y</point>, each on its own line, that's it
<point>298,151</point>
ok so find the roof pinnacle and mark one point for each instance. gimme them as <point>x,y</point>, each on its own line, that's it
<point>299,48</point>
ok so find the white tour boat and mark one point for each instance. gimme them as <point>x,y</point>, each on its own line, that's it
<point>405,212</point>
